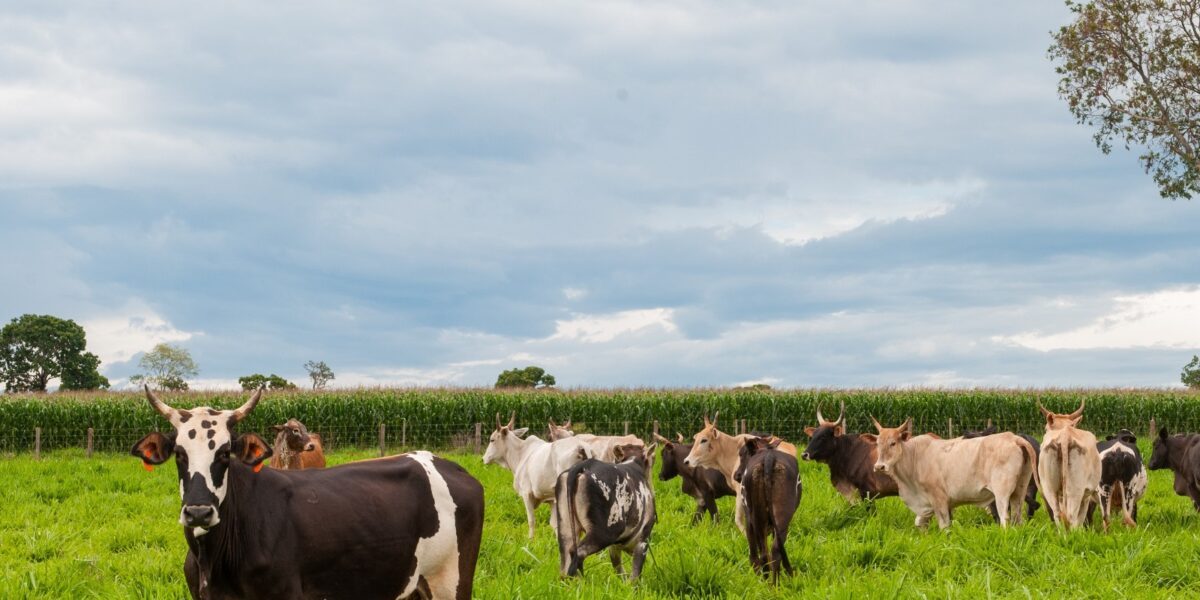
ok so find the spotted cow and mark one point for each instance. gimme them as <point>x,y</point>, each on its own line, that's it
<point>1122,478</point>
<point>610,506</point>
<point>386,528</point>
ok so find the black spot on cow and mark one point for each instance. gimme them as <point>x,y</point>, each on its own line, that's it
<point>184,416</point>
<point>212,445</point>
<point>211,433</point>
<point>206,424</point>
<point>213,411</point>
<point>192,434</point>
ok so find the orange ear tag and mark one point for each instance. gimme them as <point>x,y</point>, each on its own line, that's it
<point>258,467</point>
<point>147,466</point>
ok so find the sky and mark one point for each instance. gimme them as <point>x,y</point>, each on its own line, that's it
<point>640,193</point>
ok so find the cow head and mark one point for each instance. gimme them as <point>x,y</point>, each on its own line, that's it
<point>889,444</point>
<point>703,452</point>
<point>560,432</point>
<point>672,454</point>
<point>1123,436</point>
<point>501,438</point>
<point>822,441</point>
<point>205,446</point>
<point>1160,455</point>
<point>641,455</point>
<point>294,435</point>
<point>1056,421</point>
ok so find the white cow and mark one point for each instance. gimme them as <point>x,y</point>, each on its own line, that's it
<point>602,447</point>
<point>1070,468</point>
<point>534,462</point>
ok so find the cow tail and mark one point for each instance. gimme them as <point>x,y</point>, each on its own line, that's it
<point>765,505</point>
<point>572,489</point>
<point>1033,460</point>
<point>1064,449</point>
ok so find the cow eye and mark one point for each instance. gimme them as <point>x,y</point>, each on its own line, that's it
<point>703,441</point>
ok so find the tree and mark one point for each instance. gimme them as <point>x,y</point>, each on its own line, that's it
<point>257,380</point>
<point>37,348</point>
<point>1191,373</point>
<point>166,367</point>
<point>527,378</point>
<point>1131,68</point>
<point>319,372</point>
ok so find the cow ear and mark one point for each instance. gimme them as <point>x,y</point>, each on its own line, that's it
<point>906,435</point>
<point>154,449</point>
<point>869,438</point>
<point>252,450</point>
<point>520,432</point>
<point>277,428</point>
<point>649,456</point>
<point>618,454</point>
<point>809,431</point>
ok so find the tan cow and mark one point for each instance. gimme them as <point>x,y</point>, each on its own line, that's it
<point>1070,469</point>
<point>936,475</point>
<point>714,449</point>
<point>602,447</point>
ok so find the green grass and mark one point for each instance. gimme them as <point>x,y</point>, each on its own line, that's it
<point>72,527</point>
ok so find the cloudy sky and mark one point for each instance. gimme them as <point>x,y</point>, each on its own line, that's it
<point>876,193</point>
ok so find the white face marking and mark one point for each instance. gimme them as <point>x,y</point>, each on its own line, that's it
<point>437,555</point>
<point>200,437</point>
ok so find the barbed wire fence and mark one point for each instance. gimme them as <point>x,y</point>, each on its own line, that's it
<point>400,435</point>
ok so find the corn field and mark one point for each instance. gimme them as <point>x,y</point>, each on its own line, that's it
<point>444,418</point>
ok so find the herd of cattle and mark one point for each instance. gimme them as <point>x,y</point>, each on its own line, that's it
<point>410,525</point>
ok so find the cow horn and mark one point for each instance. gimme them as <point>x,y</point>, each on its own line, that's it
<point>498,424</point>
<point>821,422</point>
<point>159,405</point>
<point>679,436</point>
<point>243,410</point>
<point>907,425</point>
<point>876,422</point>
<point>1045,412</point>
<point>552,424</point>
<point>512,420</point>
<point>714,421</point>
<point>661,439</point>
<point>567,425</point>
<point>841,420</point>
<point>1079,411</point>
<point>989,424</point>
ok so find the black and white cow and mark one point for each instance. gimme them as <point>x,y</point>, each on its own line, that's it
<point>610,505</point>
<point>385,528</point>
<point>1122,477</point>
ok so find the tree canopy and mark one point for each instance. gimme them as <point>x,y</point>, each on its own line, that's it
<point>319,373</point>
<point>1191,373</point>
<point>37,348</point>
<point>525,378</point>
<point>272,381</point>
<point>1131,69</point>
<point>166,367</point>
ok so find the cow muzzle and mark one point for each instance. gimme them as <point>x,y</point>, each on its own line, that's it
<point>199,515</point>
<point>806,456</point>
<point>310,447</point>
<point>881,468</point>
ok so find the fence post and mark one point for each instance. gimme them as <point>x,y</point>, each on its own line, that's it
<point>37,443</point>
<point>478,436</point>
<point>90,438</point>
<point>382,439</point>
<point>626,427</point>
<point>404,433</point>
<point>950,427</point>
<point>1153,428</point>
<point>744,430</point>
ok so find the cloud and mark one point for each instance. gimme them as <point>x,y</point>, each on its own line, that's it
<point>594,329</point>
<point>1164,319</point>
<point>117,338</point>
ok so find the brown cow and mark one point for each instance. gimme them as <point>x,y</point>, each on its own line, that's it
<point>705,485</point>
<point>1181,454</point>
<point>296,448</point>
<point>1070,468</point>
<point>936,475</point>
<point>851,459</point>
<point>770,495</point>
<point>714,449</point>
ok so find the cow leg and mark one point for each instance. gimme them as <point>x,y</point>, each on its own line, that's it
<point>710,503</point>
<point>739,512</point>
<point>1003,509</point>
<point>992,509</point>
<point>531,513</point>
<point>923,518</point>
<point>614,555</point>
<point>943,513</point>
<point>639,554</point>
<point>586,547</point>
<point>699,515</point>
<point>441,586</point>
<point>1031,503</point>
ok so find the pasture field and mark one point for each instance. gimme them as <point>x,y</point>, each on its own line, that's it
<point>72,527</point>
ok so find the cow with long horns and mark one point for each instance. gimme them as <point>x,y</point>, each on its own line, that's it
<point>851,459</point>
<point>1070,467</point>
<point>704,485</point>
<point>386,528</point>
